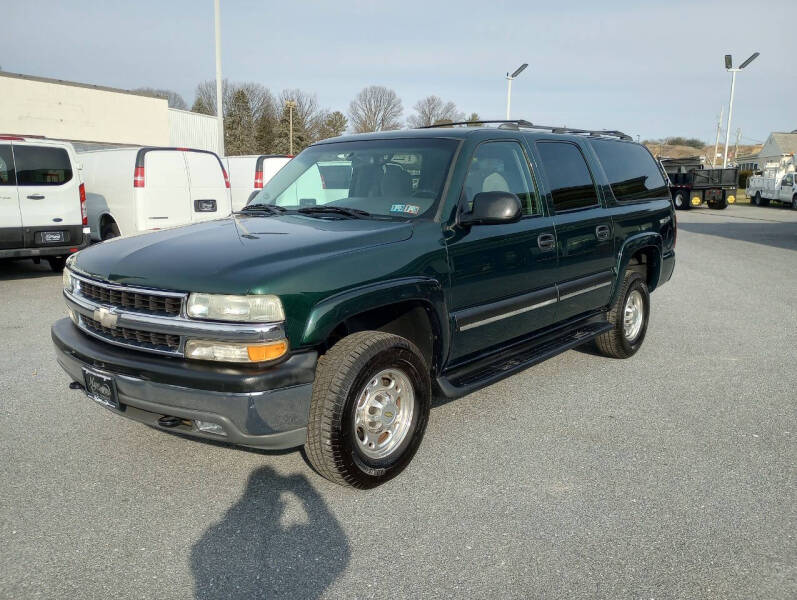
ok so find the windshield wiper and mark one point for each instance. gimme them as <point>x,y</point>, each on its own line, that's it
<point>271,209</point>
<point>354,213</point>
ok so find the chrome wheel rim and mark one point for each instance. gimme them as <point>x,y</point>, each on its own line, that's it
<point>679,200</point>
<point>383,413</point>
<point>633,315</point>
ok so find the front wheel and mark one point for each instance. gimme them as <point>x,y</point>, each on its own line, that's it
<point>794,202</point>
<point>629,318</point>
<point>369,409</point>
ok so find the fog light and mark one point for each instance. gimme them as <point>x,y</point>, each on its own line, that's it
<point>696,201</point>
<point>208,427</point>
<point>731,199</point>
<point>239,353</point>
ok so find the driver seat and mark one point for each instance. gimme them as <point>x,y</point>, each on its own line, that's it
<point>396,182</point>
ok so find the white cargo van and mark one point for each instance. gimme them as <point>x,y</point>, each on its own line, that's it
<point>42,200</point>
<point>249,173</point>
<point>130,190</point>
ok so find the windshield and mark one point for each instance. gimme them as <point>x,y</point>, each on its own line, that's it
<point>400,178</point>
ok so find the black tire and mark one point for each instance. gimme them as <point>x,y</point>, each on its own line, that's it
<point>57,263</point>
<point>332,446</point>
<point>719,204</point>
<point>614,343</point>
<point>794,202</point>
<point>680,201</point>
<point>109,230</point>
<point>757,199</point>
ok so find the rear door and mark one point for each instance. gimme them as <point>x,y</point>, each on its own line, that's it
<point>208,193</point>
<point>164,200</point>
<point>585,243</point>
<point>48,189</point>
<point>10,217</point>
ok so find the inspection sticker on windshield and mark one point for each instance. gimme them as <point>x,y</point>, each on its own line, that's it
<point>409,209</point>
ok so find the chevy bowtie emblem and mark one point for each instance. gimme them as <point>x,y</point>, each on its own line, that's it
<point>106,317</point>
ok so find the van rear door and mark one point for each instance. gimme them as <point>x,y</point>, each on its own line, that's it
<point>164,199</point>
<point>49,194</point>
<point>10,217</point>
<point>210,197</point>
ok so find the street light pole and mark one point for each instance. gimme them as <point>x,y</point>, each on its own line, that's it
<point>509,79</point>
<point>290,104</point>
<point>729,67</point>
<point>219,101</point>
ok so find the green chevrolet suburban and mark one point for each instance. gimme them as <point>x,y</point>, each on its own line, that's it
<point>371,273</point>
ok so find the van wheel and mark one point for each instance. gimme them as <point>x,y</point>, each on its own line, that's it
<point>679,201</point>
<point>629,317</point>
<point>369,409</point>
<point>57,263</point>
<point>757,199</point>
<point>794,202</point>
<point>109,230</point>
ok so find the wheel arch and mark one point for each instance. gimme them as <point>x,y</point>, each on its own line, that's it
<point>642,252</point>
<point>413,308</point>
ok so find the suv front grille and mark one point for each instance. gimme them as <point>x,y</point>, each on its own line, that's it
<point>135,337</point>
<point>135,301</point>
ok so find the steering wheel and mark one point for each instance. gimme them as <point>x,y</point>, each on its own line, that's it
<point>424,193</point>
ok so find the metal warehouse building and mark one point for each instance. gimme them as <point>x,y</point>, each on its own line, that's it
<point>93,116</point>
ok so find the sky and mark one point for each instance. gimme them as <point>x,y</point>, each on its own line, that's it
<point>651,69</point>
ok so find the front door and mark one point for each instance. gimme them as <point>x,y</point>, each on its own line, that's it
<point>10,218</point>
<point>502,276</point>
<point>786,187</point>
<point>583,229</point>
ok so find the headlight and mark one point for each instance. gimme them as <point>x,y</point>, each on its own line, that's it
<point>232,352</point>
<point>68,281</point>
<point>220,307</point>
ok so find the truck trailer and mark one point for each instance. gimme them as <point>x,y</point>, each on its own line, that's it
<point>692,185</point>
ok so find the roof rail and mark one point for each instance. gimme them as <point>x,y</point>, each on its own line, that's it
<point>523,124</point>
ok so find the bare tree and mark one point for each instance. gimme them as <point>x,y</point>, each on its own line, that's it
<point>376,108</point>
<point>174,99</point>
<point>433,111</point>
<point>260,99</point>
<point>306,116</point>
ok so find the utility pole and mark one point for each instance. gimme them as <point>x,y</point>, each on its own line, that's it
<point>219,100</point>
<point>290,105</point>
<point>717,141</point>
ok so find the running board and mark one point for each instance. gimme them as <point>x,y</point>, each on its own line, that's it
<point>466,380</point>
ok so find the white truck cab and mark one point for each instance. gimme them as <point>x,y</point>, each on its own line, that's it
<point>777,182</point>
<point>42,200</point>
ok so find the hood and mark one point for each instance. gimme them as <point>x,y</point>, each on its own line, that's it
<point>232,255</point>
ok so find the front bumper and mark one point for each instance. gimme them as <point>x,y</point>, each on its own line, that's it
<point>259,407</point>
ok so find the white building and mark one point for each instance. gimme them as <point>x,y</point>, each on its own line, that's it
<point>778,144</point>
<point>95,116</point>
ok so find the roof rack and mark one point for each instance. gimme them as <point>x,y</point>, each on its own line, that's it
<point>523,124</point>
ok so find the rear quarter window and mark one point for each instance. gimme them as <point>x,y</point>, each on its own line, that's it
<point>37,165</point>
<point>631,171</point>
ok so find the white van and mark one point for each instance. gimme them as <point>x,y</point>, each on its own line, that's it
<point>249,173</point>
<point>42,200</point>
<point>130,190</point>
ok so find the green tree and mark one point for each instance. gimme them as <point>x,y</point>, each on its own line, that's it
<point>239,126</point>
<point>332,125</point>
<point>473,118</point>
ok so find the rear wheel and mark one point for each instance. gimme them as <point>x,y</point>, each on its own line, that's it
<point>719,204</point>
<point>629,317</point>
<point>109,230</point>
<point>370,405</point>
<point>757,199</point>
<point>680,201</point>
<point>57,263</point>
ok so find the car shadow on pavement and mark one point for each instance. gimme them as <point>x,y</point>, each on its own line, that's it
<point>278,541</point>
<point>777,234</point>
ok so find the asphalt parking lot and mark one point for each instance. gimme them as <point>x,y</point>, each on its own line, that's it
<point>669,475</point>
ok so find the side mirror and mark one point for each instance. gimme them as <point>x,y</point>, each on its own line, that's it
<point>493,208</point>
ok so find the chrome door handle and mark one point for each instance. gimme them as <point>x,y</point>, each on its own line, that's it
<point>546,242</point>
<point>602,232</point>
<point>36,197</point>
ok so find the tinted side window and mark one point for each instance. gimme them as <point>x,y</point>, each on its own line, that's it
<point>6,166</point>
<point>501,167</point>
<point>42,166</point>
<point>568,176</point>
<point>631,170</point>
